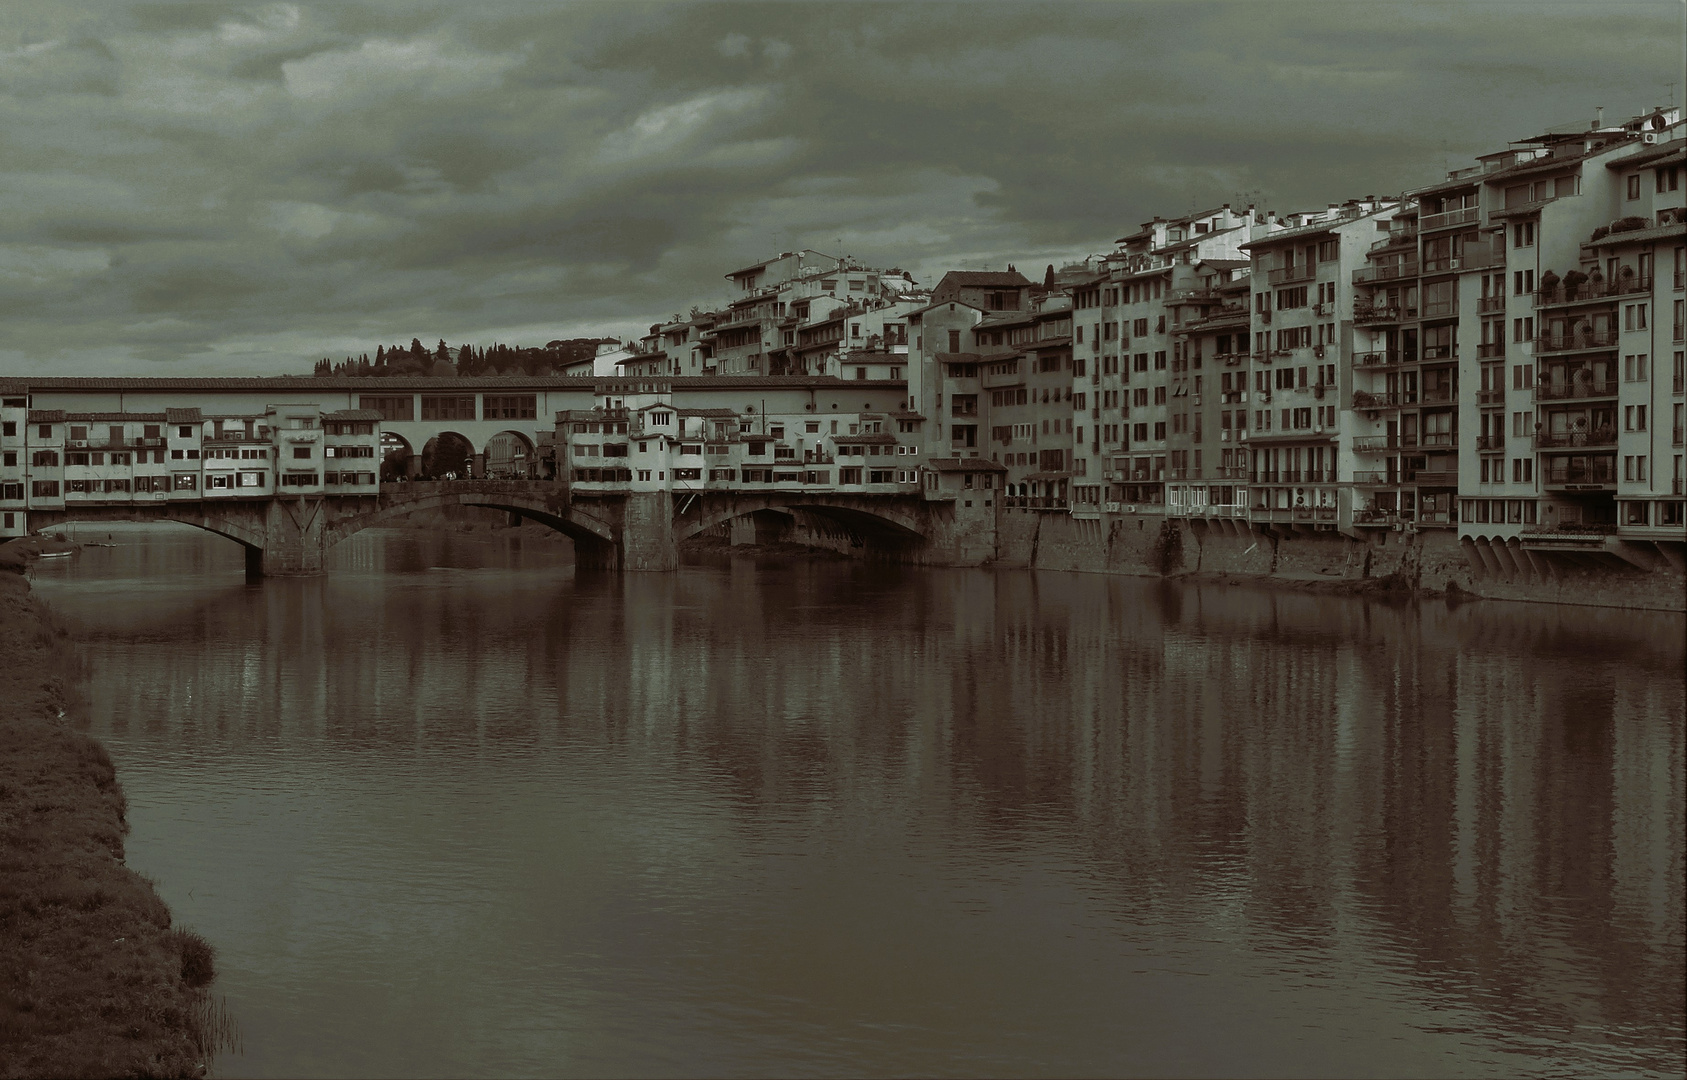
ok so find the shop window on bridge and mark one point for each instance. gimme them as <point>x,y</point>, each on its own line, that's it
<point>11,491</point>
<point>450,407</point>
<point>849,476</point>
<point>291,479</point>
<point>45,489</point>
<point>714,474</point>
<point>688,474</point>
<point>185,482</point>
<point>45,457</point>
<point>252,479</point>
<point>511,406</point>
<point>614,449</point>
<point>302,452</point>
<point>391,408</point>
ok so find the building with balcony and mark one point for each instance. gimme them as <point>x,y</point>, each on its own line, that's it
<point>1560,399</point>
<point>1303,446</point>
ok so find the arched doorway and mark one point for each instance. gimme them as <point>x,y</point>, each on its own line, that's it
<point>396,455</point>
<point>510,456</point>
<point>447,456</point>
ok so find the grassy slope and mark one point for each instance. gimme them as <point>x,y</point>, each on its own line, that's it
<point>93,980</point>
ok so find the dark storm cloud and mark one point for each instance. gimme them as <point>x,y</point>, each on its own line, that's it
<point>248,187</point>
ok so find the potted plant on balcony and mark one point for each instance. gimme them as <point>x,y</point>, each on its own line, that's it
<point>1572,284</point>
<point>1549,286</point>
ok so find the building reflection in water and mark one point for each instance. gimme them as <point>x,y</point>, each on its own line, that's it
<point>1485,800</point>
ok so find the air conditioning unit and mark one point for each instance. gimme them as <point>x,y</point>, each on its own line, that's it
<point>1649,137</point>
<point>1224,436</point>
<point>1318,351</point>
<point>1453,264</point>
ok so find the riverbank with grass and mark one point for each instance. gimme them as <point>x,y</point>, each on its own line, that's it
<point>94,979</point>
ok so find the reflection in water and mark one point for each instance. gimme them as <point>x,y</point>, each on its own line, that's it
<point>457,809</point>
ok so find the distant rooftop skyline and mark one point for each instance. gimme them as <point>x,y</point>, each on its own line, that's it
<point>236,189</point>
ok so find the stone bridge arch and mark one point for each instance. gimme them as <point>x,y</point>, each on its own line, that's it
<point>596,538</point>
<point>888,522</point>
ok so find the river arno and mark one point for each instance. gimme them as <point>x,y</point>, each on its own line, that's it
<point>456,810</point>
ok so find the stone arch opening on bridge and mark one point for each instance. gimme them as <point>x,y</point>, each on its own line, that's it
<point>595,540</point>
<point>511,455</point>
<point>446,456</point>
<point>869,525</point>
<point>397,456</point>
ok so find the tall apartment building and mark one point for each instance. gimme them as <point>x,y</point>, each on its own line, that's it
<point>1158,278</point>
<point>1210,463</point>
<point>1562,249</point>
<point>1304,446</point>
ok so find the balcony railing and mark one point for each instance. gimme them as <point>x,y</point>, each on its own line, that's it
<point>1483,256</point>
<point>1440,309</point>
<point>1575,389</point>
<point>1489,349</point>
<point>1675,436</point>
<point>1440,352</point>
<point>1490,442</point>
<point>1284,274</point>
<point>1383,444</point>
<point>1450,219</point>
<point>1490,397</point>
<point>1572,440</point>
<point>1437,396</point>
<point>1384,359</point>
<point>1367,275</point>
<point>1580,340</point>
<point>1367,399</point>
<point>1593,289</point>
<point>1397,238</point>
<point>1436,477</point>
<point>1442,439</point>
<point>1366,314</point>
<point>1488,304</point>
<point>1593,470</point>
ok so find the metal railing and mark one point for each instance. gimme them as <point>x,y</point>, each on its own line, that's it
<point>1490,349</point>
<point>1570,440</point>
<point>1593,289</point>
<point>1365,314</point>
<point>1575,389</point>
<point>1383,359</point>
<point>1487,304</point>
<point>1594,470</point>
<point>1397,237</point>
<point>1581,339</point>
<point>1490,397</point>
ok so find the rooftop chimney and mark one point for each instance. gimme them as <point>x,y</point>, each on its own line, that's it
<point>1598,117</point>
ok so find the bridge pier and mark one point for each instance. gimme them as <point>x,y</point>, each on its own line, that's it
<point>647,532</point>
<point>294,541</point>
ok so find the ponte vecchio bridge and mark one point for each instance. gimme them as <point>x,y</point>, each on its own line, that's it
<point>628,468</point>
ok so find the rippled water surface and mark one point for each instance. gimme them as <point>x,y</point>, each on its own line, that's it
<point>454,809</point>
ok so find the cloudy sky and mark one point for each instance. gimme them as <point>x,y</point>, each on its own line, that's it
<point>244,188</point>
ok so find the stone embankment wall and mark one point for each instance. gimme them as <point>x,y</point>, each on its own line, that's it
<point>1430,562</point>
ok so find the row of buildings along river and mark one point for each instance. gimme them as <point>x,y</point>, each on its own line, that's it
<point>1499,353</point>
